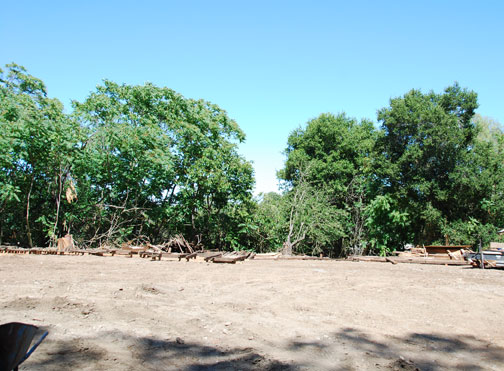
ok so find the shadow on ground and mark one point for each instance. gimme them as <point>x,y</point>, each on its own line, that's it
<point>346,349</point>
<point>354,349</point>
<point>124,352</point>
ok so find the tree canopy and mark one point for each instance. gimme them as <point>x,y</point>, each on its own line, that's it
<point>142,162</point>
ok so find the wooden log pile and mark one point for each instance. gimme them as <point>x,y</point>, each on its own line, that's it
<point>431,254</point>
<point>178,242</point>
<point>280,256</point>
<point>231,257</point>
<point>412,259</point>
<point>452,252</point>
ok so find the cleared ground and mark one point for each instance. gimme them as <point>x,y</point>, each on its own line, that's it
<point>117,313</point>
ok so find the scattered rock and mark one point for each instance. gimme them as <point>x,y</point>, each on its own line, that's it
<point>150,289</point>
<point>180,340</point>
<point>403,364</point>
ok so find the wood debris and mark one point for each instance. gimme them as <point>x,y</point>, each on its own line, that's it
<point>413,259</point>
<point>180,243</point>
<point>493,258</point>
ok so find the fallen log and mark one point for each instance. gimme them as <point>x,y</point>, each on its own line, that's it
<point>301,257</point>
<point>127,253</point>
<point>243,257</point>
<point>151,254</point>
<point>172,255</point>
<point>77,252</point>
<point>181,243</point>
<point>97,252</point>
<point>212,257</point>
<point>191,256</point>
<point>414,260</point>
<point>225,260</point>
<point>187,256</point>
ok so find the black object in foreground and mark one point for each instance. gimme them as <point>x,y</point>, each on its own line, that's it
<point>15,339</point>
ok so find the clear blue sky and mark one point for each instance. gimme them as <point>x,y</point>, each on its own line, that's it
<point>273,65</point>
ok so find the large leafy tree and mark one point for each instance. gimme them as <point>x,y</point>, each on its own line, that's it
<point>129,161</point>
<point>426,139</point>
<point>38,143</point>
<point>156,163</point>
<point>331,156</point>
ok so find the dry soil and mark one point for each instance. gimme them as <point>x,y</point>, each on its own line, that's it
<point>116,313</point>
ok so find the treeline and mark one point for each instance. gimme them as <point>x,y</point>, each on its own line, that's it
<point>433,173</point>
<point>130,162</point>
<point>135,163</point>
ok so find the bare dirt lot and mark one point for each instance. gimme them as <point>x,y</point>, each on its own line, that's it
<point>115,313</point>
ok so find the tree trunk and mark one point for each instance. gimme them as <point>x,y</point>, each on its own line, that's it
<point>54,237</point>
<point>287,248</point>
<point>28,230</point>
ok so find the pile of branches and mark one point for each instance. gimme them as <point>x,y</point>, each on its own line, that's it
<point>176,243</point>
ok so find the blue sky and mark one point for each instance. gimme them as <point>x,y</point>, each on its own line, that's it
<point>273,65</point>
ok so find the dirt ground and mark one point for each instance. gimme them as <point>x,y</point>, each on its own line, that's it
<point>116,313</point>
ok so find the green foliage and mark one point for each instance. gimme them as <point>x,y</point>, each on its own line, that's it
<point>164,163</point>
<point>136,161</point>
<point>315,225</point>
<point>334,151</point>
<point>270,222</point>
<point>386,225</point>
<point>489,130</point>
<point>470,232</point>
<point>430,170</point>
<point>143,160</point>
<point>37,145</point>
<point>426,139</point>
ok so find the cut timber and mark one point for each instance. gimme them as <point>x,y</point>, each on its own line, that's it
<point>491,258</point>
<point>151,254</point>
<point>226,260</point>
<point>66,243</point>
<point>133,249</point>
<point>156,248</point>
<point>187,256</point>
<point>414,260</point>
<point>442,249</point>
<point>301,257</point>
<point>97,252</point>
<point>77,252</point>
<point>191,256</point>
<point>206,254</point>
<point>242,257</point>
<point>127,253</point>
<point>17,250</point>
<point>457,255</point>
<point>390,261</point>
<point>172,255</point>
<point>181,243</point>
<point>212,257</point>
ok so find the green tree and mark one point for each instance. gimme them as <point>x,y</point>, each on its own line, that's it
<point>314,224</point>
<point>39,143</point>
<point>270,218</point>
<point>335,151</point>
<point>386,226</point>
<point>156,163</point>
<point>426,137</point>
